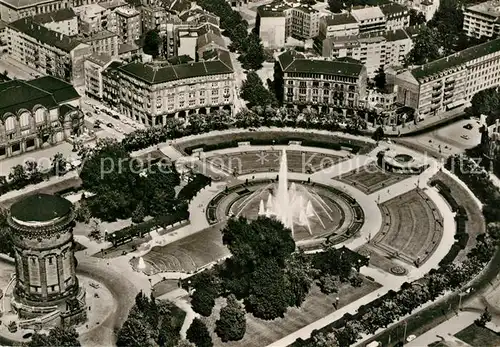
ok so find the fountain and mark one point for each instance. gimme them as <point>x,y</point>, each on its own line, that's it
<point>141,265</point>
<point>292,205</point>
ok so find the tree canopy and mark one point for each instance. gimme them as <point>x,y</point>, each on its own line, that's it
<point>198,334</point>
<point>58,336</point>
<point>255,93</point>
<point>152,43</point>
<point>231,325</point>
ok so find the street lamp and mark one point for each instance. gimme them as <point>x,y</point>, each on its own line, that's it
<point>405,323</point>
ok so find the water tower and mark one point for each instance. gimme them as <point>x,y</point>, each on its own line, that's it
<point>47,291</point>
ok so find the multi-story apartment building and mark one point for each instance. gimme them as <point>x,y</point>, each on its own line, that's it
<point>300,21</point>
<point>322,84</point>
<point>338,25</point>
<point>12,10</point>
<point>396,16</point>
<point>209,39</point>
<point>369,19</point>
<point>270,23</point>
<point>102,42</point>
<point>451,81</point>
<point>94,18</point>
<point>94,68</point>
<point>129,26</point>
<point>154,17</point>
<point>47,51</point>
<point>482,20</point>
<point>111,84</point>
<point>151,93</point>
<point>374,50</point>
<point>36,113</point>
<point>63,21</point>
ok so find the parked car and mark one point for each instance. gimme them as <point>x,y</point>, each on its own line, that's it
<point>88,114</point>
<point>110,125</point>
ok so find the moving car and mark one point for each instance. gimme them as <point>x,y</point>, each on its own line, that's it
<point>110,125</point>
<point>468,126</point>
<point>465,137</point>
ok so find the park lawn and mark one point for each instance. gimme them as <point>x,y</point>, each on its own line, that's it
<point>475,223</point>
<point>477,336</point>
<point>165,286</point>
<point>379,259</point>
<point>317,305</point>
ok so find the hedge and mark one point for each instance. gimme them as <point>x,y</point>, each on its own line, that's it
<point>190,190</point>
<point>279,141</point>
<point>128,233</point>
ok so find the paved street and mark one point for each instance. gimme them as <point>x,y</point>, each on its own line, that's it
<point>16,69</point>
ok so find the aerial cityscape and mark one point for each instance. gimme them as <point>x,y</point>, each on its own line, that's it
<point>238,173</point>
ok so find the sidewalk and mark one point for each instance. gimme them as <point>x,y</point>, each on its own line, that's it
<point>446,330</point>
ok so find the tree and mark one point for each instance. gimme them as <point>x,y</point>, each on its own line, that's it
<point>134,333</point>
<point>203,301</point>
<point>152,42</point>
<point>416,18</point>
<point>18,177</point>
<point>254,92</point>
<point>335,6</point>
<point>82,213</point>
<point>138,214</point>
<point>198,334</point>
<point>380,78</point>
<point>254,242</point>
<point>298,278</point>
<point>484,318</point>
<point>58,336</point>
<point>231,325</point>
<point>254,54</point>
<point>59,163</point>
<point>426,47</point>
<point>33,173</point>
<point>378,134</point>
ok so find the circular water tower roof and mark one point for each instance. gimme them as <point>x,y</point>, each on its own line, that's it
<point>40,208</point>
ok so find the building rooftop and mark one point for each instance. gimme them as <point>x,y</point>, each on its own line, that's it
<point>112,4</point>
<point>210,38</point>
<point>62,91</point>
<point>127,47</point>
<point>19,4</point>
<point>367,13</point>
<point>396,35</point>
<point>304,8</point>
<point>340,19</point>
<point>100,59</point>
<point>44,35</point>
<point>291,61</point>
<point>89,10</point>
<point>392,9</point>
<point>154,74</point>
<point>177,6</point>
<point>456,59</point>
<point>56,16</point>
<point>127,11</point>
<point>99,35</point>
<point>488,8</point>
<point>275,9</point>
<point>40,208</point>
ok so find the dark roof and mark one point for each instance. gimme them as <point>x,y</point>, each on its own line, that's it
<point>180,59</point>
<point>40,208</point>
<point>456,59</point>
<point>340,19</point>
<point>393,8</point>
<point>66,108</point>
<point>396,35</point>
<point>291,62</point>
<point>126,47</point>
<point>17,94</point>
<point>153,74</point>
<point>61,91</point>
<point>56,16</point>
<point>44,35</point>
